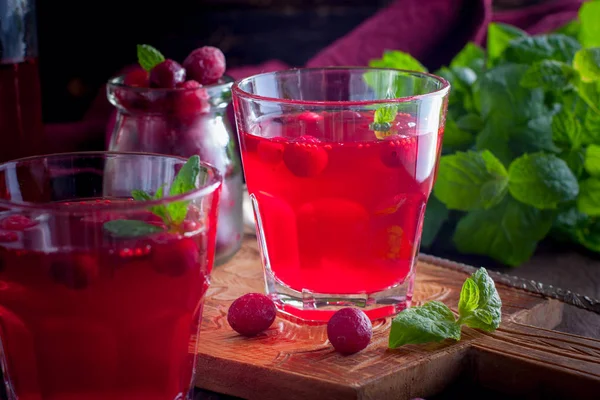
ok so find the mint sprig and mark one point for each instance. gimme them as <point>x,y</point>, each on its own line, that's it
<point>383,118</point>
<point>148,57</point>
<point>174,213</point>
<point>479,307</point>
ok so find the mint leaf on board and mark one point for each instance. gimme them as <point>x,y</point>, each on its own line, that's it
<point>487,314</point>
<point>148,56</point>
<point>436,214</point>
<point>528,50</point>
<point>185,181</point>
<point>589,15</point>
<point>498,37</point>
<point>592,160</point>
<point>566,130</point>
<point>541,180</point>
<point>550,75</point>
<point>431,322</point>
<point>129,228</point>
<point>469,297</point>
<point>470,180</point>
<point>508,232</point>
<point>587,63</point>
<point>588,201</point>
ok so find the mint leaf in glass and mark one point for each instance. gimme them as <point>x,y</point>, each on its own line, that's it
<point>431,322</point>
<point>148,57</point>
<point>508,232</point>
<point>185,181</point>
<point>483,310</point>
<point>541,180</point>
<point>587,63</point>
<point>470,180</point>
<point>128,228</point>
<point>140,195</point>
<point>383,118</point>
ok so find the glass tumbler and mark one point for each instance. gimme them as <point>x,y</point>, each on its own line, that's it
<point>99,297</point>
<point>339,164</point>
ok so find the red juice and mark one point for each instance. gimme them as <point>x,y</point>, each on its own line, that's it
<point>20,109</point>
<point>341,210</point>
<point>84,315</point>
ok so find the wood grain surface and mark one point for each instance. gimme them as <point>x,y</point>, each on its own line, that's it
<point>296,362</point>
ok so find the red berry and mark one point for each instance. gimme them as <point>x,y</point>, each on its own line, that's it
<point>349,330</point>
<point>7,237</point>
<point>399,151</point>
<point>192,99</point>
<point>75,271</point>
<point>270,151</point>
<point>16,223</point>
<point>137,78</point>
<point>251,314</point>
<point>167,74</point>
<point>174,255</point>
<point>305,157</point>
<point>205,65</point>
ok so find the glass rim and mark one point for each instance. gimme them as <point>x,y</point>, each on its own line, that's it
<point>442,91</point>
<point>204,190</point>
<point>213,89</point>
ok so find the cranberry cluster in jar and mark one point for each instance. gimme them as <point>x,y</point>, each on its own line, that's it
<point>180,109</point>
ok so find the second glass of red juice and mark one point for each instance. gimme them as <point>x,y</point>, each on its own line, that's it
<point>101,290</point>
<point>340,163</point>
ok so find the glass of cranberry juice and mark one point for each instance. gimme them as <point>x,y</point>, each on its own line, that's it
<point>339,164</point>
<point>88,312</point>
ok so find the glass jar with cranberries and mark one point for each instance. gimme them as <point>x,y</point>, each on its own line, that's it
<point>159,110</point>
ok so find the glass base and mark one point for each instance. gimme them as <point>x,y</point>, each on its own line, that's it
<point>317,308</point>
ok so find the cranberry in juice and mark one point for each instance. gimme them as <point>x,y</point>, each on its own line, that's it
<point>20,109</point>
<point>84,315</point>
<point>341,210</point>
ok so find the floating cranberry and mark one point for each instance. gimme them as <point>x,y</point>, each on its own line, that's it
<point>75,271</point>
<point>167,74</point>
<point>251,314</point>
<point>137,78</point>
<point>305,157</point>
<point>174,255</point>
<point>205,65</point>
<point>270,151</point>
<point>16,223</point>
<point>397,151</point>
<point>193,99</point>
<point>349,330</point>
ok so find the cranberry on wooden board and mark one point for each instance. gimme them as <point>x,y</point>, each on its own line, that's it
<point>349,330</point>
<point>251,314</point>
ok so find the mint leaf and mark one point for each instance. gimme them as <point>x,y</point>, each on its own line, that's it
<point>589,15</point>
<point>592,160</point>
<point>588,201</point>
<point>148,56</point>
<point>587,232</point>
<point>508,232</point>
<point>469,122</point>
<point>498,37</point>
<point>140,195</point>
<point>431,322</point>
<point>541,180</point>
<point>587,63</point>
<point>469,297</point>
<point>456,138</point>
<point>488,312</point>
<point>591,125</point>
<point>566,130</point>
<point>550,75</point>
<point>383,118</point>
<point>470,180</point>
<point>534,136</point>
<point>128,228</point>
<point>184,182</point>
<point>398,60</point>
<point>575,159</point>
<point>469,56</point>
<point>159,210</point>
<point>436,214</point>
<point>528,50</point>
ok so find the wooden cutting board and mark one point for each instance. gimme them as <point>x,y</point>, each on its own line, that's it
<point>291,361</point>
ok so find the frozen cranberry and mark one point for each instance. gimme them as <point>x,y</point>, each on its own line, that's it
<point>251,314</point>
<point>399,151</point>
<point>270,151</point>
<point>17,223</point>
<point>305,157</point>
<point>205,65</point>
<point>193,99</point>
<point>7,237</point>
<point>75,271</point>
<point>174,255</point>
<point>349,330</point>
<point>167,74</point>
<point>137,78</point>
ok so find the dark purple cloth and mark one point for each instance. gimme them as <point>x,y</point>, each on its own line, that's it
<point>433,31</point>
